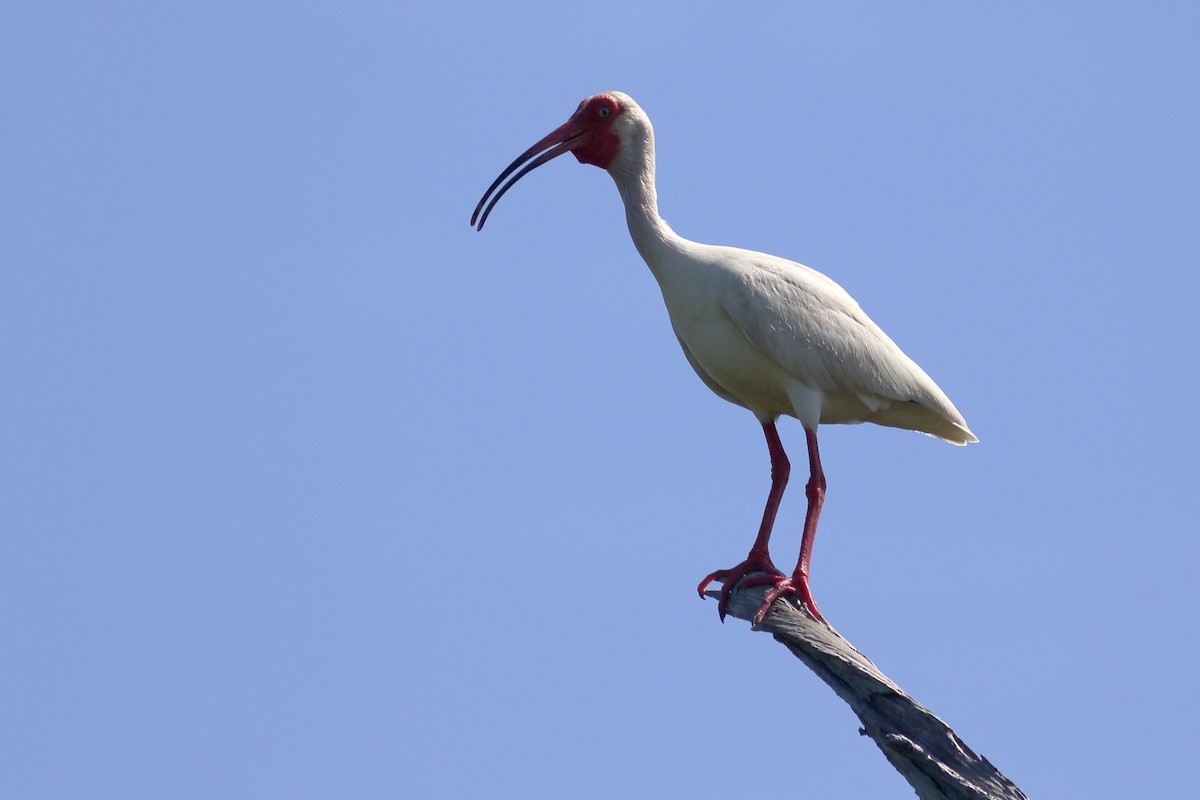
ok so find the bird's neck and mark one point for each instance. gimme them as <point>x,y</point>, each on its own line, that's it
<point>651,234</point>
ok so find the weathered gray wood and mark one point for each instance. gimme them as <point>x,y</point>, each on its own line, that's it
<point>929,755</point>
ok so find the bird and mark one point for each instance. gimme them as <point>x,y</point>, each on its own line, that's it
<point>763,332</point>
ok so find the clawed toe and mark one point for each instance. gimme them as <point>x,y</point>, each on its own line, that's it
<point>798,588</point>
<point>731,578</point>
<point>745,575</point>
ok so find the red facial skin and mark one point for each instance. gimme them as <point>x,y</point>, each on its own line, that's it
<point>600,143</point>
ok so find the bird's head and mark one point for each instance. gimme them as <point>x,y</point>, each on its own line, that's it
<point>600,132</point>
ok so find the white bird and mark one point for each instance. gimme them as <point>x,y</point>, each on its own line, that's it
<point>768,334</point>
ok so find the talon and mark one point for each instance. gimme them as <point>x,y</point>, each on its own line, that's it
<point>719,575</point>
<point>732,578</point>
<point>781,588</point>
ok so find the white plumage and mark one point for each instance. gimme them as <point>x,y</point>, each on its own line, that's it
<point>763,332</point>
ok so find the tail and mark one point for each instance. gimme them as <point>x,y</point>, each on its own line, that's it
<point>944,423</point>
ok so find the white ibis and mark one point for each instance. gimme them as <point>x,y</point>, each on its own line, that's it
<point>771,335</point>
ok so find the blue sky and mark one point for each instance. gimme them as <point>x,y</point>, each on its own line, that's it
<point>309,490</point>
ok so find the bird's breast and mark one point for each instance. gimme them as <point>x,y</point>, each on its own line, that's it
<point>729,363</point>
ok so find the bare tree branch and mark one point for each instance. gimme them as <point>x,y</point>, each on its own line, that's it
<point>929,755</point>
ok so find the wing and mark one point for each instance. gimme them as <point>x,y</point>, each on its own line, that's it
<point>815,330</point>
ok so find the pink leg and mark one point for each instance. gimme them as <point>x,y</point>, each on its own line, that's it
<point>759,559</point>
<point>798,583</point>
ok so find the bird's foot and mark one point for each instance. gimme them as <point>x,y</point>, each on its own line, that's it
<point>730,578</point>
<point>795,585</point>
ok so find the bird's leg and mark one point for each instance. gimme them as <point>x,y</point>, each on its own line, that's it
<point>759,559</point>
<point>798,583</point>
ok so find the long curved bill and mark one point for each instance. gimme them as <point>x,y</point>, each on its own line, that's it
<point>560,140</point>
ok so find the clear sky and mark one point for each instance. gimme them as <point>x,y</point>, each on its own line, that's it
<point>309,490</point>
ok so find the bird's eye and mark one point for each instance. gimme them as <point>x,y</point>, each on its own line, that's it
<point>604,111</point>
